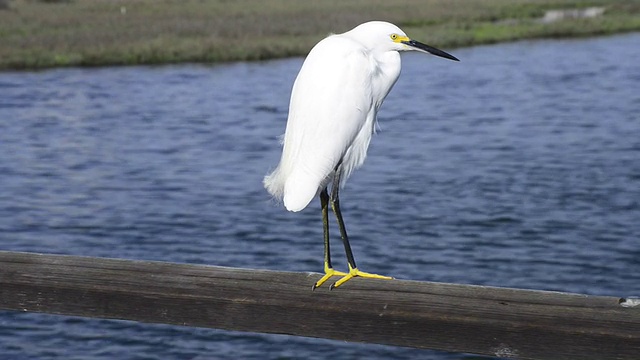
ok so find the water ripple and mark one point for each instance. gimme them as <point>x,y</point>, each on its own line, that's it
<point>516,167</point>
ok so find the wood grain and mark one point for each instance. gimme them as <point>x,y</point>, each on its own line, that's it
<point>510,323</point>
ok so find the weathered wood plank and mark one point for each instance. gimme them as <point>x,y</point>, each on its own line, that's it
<point>501,322</point>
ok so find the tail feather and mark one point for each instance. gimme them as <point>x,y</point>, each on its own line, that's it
<point>296,190</point>
<point>274,183</point>
<point>299,190</point>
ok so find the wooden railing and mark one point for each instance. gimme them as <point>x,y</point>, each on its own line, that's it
<point>501,322</point>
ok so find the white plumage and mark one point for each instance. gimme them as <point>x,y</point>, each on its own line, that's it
<point>332,114</point>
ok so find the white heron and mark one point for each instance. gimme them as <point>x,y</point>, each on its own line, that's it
<point>332,114</point>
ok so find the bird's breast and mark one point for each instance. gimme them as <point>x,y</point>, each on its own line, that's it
<point>385,72</point>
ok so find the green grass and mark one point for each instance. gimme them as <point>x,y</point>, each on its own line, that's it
<point>39,34</point>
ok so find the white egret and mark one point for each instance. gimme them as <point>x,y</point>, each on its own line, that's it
<point>332,114</point>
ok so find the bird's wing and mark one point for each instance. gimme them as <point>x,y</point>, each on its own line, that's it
<point>330,101</point>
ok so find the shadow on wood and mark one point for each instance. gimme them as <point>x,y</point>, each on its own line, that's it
<point>492,321</point>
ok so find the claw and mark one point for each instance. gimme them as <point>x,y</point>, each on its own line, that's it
<point>328,272</point>
<point>353,272</point>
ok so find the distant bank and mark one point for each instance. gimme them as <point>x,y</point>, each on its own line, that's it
<point>38,34</point>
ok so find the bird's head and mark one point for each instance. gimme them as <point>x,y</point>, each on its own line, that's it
<point>381,35</point>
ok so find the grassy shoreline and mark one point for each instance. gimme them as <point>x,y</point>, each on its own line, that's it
<point>42,34</point>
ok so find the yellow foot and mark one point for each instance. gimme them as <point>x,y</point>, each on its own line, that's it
<point>353,272</point>
<point>328,272</point>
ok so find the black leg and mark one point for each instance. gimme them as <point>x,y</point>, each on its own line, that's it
<point>333,198</point>
<point>335,205</point>
<point>324,203</point>
<point>328,268</point>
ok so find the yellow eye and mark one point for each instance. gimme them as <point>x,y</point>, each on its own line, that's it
<point>394,37</point>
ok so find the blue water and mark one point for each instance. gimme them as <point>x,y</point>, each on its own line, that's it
<point>518,166</point>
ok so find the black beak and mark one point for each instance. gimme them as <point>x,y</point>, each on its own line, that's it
<point>430,49</point>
